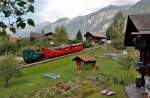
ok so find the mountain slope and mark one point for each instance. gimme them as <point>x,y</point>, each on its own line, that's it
<point>94,22</point>
<point>141,7</point>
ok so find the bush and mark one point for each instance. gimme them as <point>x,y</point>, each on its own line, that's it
<point>126,62</point>
<point>7,47</point>
<point>8,69</point>
<point>87,45</point>
<point>118,44</point>
<point>25,42</point>
<point>73,41</point>
<point>18,73</point>
<point>86,89</point>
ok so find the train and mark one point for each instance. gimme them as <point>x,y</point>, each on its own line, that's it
<point>31,55</point>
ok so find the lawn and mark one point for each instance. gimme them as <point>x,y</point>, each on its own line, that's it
<point>33,77</point>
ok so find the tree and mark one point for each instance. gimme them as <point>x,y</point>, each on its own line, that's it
<point>8,69</point>
<point>116,31</point>
<point>22,43</point>
<point>41,42</point>
<point>126,62</point>
<point>79,36</point>
<point>61,35</point>
<point>7,47</point>
<point>12,14</point>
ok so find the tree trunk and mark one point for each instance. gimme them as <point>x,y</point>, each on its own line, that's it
<point>6,84</point>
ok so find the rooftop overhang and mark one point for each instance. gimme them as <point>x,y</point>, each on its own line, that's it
<point>141,33</point>
<point>137,25</point>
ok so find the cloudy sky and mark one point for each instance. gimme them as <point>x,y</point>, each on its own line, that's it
<point>51,10</point>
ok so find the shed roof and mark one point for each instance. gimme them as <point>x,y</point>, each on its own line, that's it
<point>86,58</point>
<point>96,34</point>
<point>136,24</point>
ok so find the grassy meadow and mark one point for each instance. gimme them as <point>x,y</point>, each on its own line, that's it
<point>33,77</point>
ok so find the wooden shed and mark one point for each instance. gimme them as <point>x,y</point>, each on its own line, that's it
<point>86,62</point>
<point>95,37</point>
<point>138,35</point>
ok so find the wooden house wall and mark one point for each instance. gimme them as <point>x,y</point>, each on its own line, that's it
<point>92,64</point>
<point>79,64</point>
<point>92,39</point>
<point>128,37</point>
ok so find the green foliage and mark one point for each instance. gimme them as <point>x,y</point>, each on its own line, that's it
<point>118,43</point>
<point>8,69</point>
<point>12,14</point>
<point>126,62</point>
<point>7,47</point>
<point>33,80</point>
<point>31,22</point>
<point>25,42</point>
<point>61,35</point>
<point>40,42</point>
<point>87,45</point>
<point>79,37</point>
<point>116,31</point>
<point>73,41</point>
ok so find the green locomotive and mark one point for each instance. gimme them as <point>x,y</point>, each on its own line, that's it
<point>31,56</point>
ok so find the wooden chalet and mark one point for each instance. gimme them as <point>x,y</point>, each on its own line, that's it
<point>138,35</point>
<point>12,38</point>
<point>35,35</point>
<point>83,63</point>
<point>95,37</point>
<point>50,37</point>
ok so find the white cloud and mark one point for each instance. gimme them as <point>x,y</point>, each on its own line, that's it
<point>52,10</point>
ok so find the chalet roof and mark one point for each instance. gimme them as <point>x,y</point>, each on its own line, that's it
<point>141,21</point>
<point>136,24</point>
<point>50,33</point>
<point>35,35</point>
<point>85,59</point>
<point>96,34</point>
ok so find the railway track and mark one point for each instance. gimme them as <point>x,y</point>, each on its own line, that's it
<point>24,65</point>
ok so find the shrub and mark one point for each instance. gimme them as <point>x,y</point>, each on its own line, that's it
<point>7,47</point>
<point>118,44</point>
<point>126,62</point>
<point>18,73</point>
<point>8,69</point>
<point>87,45</point>
<point>85,89</point>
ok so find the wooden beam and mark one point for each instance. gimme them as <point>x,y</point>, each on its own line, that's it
<point>141,33</point>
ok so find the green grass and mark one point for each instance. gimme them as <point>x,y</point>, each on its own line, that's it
<point>33,78</point>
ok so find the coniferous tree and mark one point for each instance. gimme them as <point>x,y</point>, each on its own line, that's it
<point>61,35</point>
<point>79,36</point>
<point>116,31</point>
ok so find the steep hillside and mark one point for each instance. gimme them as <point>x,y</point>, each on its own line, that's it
<point>95,22</point>
<point>142,6</point>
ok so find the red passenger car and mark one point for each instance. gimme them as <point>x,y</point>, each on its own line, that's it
<point>62,50</point>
